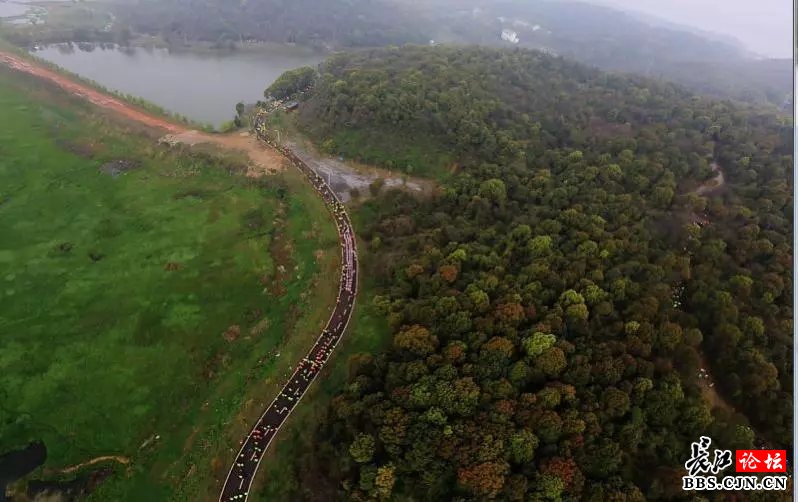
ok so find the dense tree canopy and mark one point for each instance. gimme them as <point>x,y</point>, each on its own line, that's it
<point>291,82</point>
<point>553,305</point>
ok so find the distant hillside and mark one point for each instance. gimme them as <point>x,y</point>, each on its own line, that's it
<point>329,23</point>
<point>765,81</point>
<point>598,36</point>
<point>432,99</point>
<point>613,40</point>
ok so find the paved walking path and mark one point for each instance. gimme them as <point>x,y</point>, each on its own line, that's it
<point>245,466</point>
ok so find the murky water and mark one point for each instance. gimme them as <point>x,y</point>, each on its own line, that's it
<point>203,87</point>
<point>12,9</point>
<point>19,463</point>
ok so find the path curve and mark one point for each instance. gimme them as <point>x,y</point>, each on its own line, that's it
<point>245,465</point>
<point>713,184</point>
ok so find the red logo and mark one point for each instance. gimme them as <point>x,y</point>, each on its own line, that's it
<point>761,461</point>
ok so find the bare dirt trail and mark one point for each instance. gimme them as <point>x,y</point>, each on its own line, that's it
<point>715,183</point>
<point>92,95</point>
<point>705,380</point>
<point>263,159</point>
<point>114,458</point>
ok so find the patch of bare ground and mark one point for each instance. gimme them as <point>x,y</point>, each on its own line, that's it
<point>709,389</point>
<point>281,252</point>
<point>259,327</point>
<point>86,149</point>
<point>353,180</point>
<point>232,333</point>
<point>262,158</point>
<point>218,360</point>
<point>189,442</point>
<point>608,130</point>
<point>714,184</point>
<point>97,460</point>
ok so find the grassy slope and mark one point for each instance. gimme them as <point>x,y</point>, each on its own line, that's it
<point>98,356</point>
<point>413,154</point>
<point>367,333</point>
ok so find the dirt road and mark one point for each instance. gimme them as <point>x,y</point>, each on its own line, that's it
<point>711,185</point>
<point>92,95</point>
<point>263,159</point>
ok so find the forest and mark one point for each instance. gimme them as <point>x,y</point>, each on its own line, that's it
<point>553,305</point>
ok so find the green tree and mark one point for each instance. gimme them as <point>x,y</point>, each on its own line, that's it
<point>362,448</point>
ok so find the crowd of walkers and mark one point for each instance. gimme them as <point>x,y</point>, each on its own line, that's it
<point>242,472</point>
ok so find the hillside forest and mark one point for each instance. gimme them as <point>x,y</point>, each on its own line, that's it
<point>553,305</point>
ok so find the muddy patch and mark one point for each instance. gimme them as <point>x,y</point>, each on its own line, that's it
<point>713,185</point>
<point>232,333</point>
<point>118,167</point>
<point>281,251</point>
<point>263,160</point>
<point>97,460</point>
<point>19,463</point>
<point>195,194</point>
<point>74,489</point>
<point>259,327</point>
<point>352,182</point>
<point>81,149</point>
<point>212,365</point>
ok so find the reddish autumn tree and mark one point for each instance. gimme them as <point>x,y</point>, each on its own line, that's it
<point>483,480</point>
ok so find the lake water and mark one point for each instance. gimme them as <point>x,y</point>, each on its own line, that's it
<point>12,9</point>
<point>203,87</point>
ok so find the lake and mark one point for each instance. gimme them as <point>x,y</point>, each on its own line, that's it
<point>15,8</point>
<point>12,9</point>
<point>203,87</point>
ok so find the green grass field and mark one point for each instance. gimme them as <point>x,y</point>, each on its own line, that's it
<point>115,293</point>
<point>368,333</point>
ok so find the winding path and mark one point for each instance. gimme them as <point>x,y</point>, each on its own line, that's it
<point>705,380</point>
<point>245,465</point>
<point>713,184</point>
